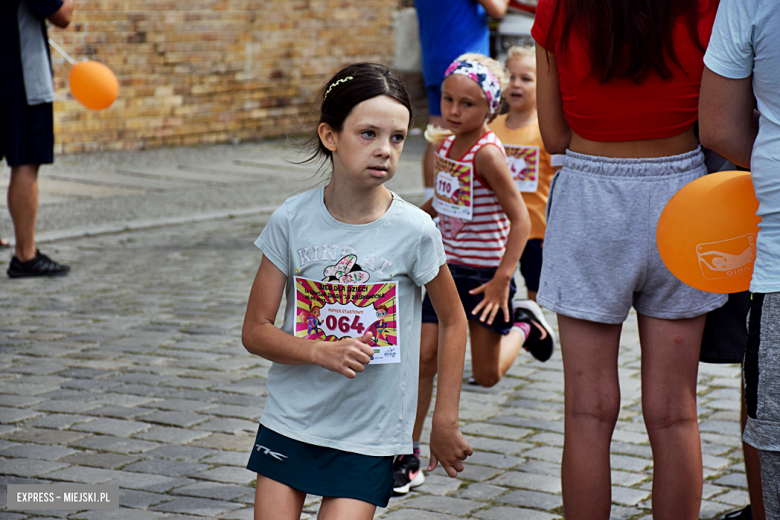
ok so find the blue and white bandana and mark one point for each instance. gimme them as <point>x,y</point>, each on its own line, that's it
<point>482,75</point>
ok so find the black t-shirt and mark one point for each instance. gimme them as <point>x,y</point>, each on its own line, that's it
<point>12,84</point>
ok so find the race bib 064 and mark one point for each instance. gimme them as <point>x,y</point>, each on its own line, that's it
<point>334,311</point>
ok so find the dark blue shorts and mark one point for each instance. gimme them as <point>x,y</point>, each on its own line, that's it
<point>434,99</point>
<point>467,278</point>
<point>531,263</point>
<point>26,133</point>
<point>320,471</point>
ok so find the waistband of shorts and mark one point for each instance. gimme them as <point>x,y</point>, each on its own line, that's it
<point>645,167</point>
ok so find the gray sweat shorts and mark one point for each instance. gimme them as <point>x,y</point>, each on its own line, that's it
<point>600,252</point>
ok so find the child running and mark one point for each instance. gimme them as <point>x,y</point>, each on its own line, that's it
<point>484,225</point>
<point>351,259</point>
<point>529,162</point>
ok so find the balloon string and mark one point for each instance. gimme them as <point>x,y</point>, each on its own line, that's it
<point>64,54</point>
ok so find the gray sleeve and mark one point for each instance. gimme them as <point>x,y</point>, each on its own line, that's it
<point>274,239</point>
<point>429,255</point>
<point>730,52</point>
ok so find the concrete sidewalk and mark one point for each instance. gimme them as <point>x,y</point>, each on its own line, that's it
<point>130,371</point>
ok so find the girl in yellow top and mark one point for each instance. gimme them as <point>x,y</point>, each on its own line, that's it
<point>518,130</point>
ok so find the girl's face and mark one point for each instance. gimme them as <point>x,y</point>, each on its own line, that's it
<point>464,106</point>
<point>367,149</point>
<point>521,92</point>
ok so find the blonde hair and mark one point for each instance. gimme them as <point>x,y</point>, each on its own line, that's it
<point>516,51</point>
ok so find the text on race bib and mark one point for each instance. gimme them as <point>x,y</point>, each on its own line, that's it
<point>334,311</point>
<point>446,184</point>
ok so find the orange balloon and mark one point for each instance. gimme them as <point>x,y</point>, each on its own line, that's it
<point>93,84</point>
<point>707,232</point>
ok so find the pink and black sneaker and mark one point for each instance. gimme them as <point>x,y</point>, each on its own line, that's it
<point>407,473</point>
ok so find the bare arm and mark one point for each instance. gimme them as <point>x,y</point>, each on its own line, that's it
<point>261,337</point>
<point>494,8</point>
<point>492,165</point>
<point>728,122</point>
<point>63,16</point>
<point>428,208</point>
<point>447,444</point>
<point>556,132</point>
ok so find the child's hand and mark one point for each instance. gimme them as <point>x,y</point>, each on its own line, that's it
<point>346,356</point>
<point>449,448</point>
<point>496,298</point>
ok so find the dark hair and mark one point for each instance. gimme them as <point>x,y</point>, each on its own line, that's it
<point>347,88</point>
<point>628,38</point>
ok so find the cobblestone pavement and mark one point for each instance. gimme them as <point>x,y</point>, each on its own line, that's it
<point>130,371</point>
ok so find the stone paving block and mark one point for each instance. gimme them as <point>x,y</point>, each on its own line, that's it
<point>197,506</point>
<point>228,426</point>
<point>447,505</point>
<point>628,496</point>
<point>146,482</point>
<point>494,460</point>
<point>83,474</point>
<point>549,454</point>
<point>181,453</point>
<point>719,427</point>
<point>118,514</point>
<point>541,467</point>
<point>215,490</point>
<point>116,427</point>
<point>99,460</point>
<point>29,467</point>
<point>229,458</point>
<point>496,430</point>
<point>15,415</point>
<point>734,497</point>
<point>141,499</point>
<point>481,492</point>
<point>416,514</point>
<point>737,479</point>
<point>221,441</point>
<point>226,474</point>
<point>713,509</point>
<point>626,479</point>
<point>498,445</point>
<point>709,491</point>
<point>534,482</point>
<point>36,451</point>
<point>438,485</point>
<point>126,400</point>
<point>177,419</point>
<point>170,435</point>
<point>252,386</point>
<point>118,412</point>
<point>180,405</point>
<point>471,472</point>
<point>169,468</point>
<point>59,421</point>
<point>247,513</point>
<point>547,439</point>
<point>531,499</point>
<point>14,388</point>
<point>627,463</point>
<point>74,406</point>
<point>511,513</point>
<point>241,412</point>
<point>19,401</point>
<point>114,444</point>
<point>41,436</point>
<point>550,424</point>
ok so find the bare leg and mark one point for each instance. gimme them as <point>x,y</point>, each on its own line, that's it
<point>670,361</point>
<point>429,352</point>
<point>532,295</point>
<point>752,470</point>
<point>591,407</point>
<point>23,206</point>
<point>277,501</point>
<point>346,509</point>
<point>493,354</point>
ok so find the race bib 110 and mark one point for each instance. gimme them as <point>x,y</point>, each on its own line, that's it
<point>334,311</point>
<point>524,165</point>
<point>453,189</point>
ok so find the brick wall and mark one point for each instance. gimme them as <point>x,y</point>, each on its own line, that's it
<point>208,71</point>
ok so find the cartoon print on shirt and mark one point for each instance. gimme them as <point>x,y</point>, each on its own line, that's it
<point>346,270</point>
<point>313,321</point>
<point>379,327</point>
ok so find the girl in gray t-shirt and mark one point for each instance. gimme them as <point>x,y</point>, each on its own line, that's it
<point>352,258</point>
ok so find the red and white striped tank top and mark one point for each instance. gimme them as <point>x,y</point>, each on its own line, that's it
<point>481,241</point>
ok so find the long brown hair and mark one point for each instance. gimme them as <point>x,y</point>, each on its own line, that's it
<point>628,38</point>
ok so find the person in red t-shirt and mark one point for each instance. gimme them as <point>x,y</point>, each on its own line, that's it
<point>618,87</point>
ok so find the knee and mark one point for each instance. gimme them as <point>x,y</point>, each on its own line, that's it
<point>659,417</point>
<point>487,381</point>
<point>603,411</point>
<point>428,363</point>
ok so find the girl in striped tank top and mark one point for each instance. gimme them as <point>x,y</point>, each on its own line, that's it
<point>484,225</point>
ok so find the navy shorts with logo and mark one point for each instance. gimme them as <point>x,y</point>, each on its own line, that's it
<point>321,471</point>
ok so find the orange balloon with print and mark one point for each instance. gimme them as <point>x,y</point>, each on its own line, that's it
<point>93,84</point>
<point>707,232</point>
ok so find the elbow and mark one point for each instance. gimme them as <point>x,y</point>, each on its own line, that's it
<point>713,138</point>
